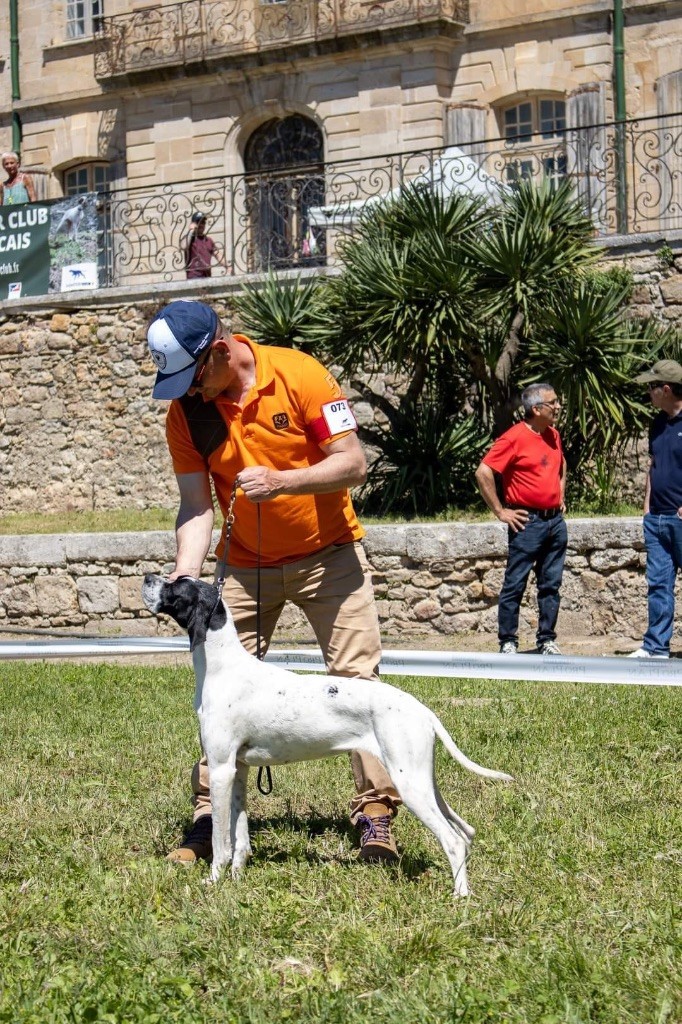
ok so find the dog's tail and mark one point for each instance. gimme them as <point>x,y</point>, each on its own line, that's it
<point>454,751</point>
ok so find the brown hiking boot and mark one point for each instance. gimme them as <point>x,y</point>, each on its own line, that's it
<point>376,842</point>
<point>198,845</point>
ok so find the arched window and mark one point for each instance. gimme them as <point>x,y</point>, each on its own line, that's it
<point>535,130</point>
<point>284,164</point>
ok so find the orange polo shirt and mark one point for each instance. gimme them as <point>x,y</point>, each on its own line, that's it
<point>294,407</point>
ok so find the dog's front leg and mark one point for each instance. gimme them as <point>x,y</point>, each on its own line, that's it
<point>222,779</point>
<point>240,838</point>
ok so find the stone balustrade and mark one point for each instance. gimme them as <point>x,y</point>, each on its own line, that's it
<point>431,580</point>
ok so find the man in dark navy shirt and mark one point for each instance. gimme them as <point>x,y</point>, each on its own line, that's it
<point>663,506</point>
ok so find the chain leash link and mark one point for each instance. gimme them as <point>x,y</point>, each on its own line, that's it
<point>229,522</point>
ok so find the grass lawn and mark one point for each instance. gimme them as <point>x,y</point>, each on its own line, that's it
<point>575,871</point>
<point>136,520</point>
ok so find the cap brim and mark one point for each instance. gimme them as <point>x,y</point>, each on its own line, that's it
<point>646,378</point>
<point>174,385</point>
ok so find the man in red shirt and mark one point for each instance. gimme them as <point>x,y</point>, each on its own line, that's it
<point>530,460</point>
<point>200,250</point>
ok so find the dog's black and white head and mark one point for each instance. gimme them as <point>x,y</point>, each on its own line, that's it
<point>193,604</point>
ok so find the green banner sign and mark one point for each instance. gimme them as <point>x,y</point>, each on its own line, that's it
<point>24,250</point>
<point>48,247</point>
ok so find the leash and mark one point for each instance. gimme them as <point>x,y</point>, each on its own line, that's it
<point>264,770</point>
<point>222,564</point>
<point>264,787</point>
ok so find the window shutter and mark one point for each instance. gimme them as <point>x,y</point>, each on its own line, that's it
<point>586,148</point>
<point>668,104</point>
<point>669,94</point>
<point>465,126</point>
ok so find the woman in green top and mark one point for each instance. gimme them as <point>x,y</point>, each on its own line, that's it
<point>19,187</point>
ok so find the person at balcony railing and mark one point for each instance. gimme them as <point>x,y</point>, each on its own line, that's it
<point>275,422</point>
<point>19,187</point>
<point>201,250</point>
<point>662,506</point>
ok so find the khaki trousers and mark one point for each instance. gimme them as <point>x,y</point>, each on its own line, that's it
<point>333,588</point>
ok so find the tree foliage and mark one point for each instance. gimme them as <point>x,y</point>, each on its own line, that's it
<point>277,311</point>
<point>466,303</point>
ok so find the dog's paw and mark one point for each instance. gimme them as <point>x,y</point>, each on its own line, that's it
<point>215,875</point>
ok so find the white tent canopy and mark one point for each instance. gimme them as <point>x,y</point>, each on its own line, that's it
<point>451,172</point>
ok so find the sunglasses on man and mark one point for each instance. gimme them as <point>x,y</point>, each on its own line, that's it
<point>201,367</point>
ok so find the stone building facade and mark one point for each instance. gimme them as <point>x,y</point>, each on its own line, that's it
<point>110,93</point>
<point>174,91</point>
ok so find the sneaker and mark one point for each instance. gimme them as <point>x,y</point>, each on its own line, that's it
<point>548,647</point>
<point>508,647</point>
<point>198,844</point>
<point>641,652</point>
<point>376,841</point>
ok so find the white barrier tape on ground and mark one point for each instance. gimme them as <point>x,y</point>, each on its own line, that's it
<point>528,667</point>
<point>453,664</point>
<point>94,648</point>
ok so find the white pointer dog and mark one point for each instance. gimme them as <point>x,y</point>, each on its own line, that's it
<point>251,713</point>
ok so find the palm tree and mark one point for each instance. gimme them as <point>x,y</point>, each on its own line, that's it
<point>278,310</point>
<point>594,353</point>
<point>538,238</point>
<point>464,304</point>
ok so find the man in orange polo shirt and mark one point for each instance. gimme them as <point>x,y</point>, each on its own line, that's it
<point>530,460</point>
<point>275,421</point>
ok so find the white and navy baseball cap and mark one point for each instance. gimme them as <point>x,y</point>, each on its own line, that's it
<point>177,336</point>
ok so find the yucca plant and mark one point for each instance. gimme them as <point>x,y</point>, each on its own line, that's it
<point>277,311</point>
<point>463,305</point>
<point>406,293</point>
<point>539,236</point>
<point>426,462</point>
<point>585,346</point>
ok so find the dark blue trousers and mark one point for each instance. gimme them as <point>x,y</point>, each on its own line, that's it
<point>540,546</point>
<point>663,540</point>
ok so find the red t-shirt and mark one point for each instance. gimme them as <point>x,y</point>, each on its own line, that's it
<point>530,466</point>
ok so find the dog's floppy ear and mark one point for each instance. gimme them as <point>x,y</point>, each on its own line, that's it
<point>198,620</point>
<point>206,613</point>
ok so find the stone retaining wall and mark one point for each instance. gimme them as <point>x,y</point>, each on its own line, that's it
<point>430,580</point>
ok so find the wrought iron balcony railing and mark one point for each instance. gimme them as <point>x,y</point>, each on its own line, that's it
<point>201,30</point>
<point>628,176</point>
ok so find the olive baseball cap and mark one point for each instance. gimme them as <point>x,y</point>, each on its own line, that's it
<point>665,371</point>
